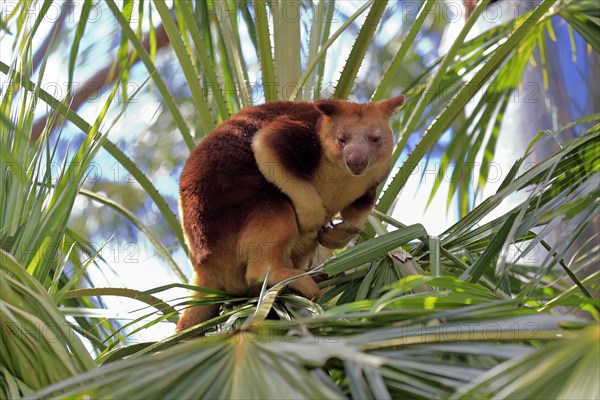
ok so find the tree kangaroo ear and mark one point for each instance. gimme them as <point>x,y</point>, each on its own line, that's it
<point>329,107</point>
<point>390,106</point>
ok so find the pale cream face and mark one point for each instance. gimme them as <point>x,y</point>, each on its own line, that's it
<point>358,136</point>
<point>357,141</point>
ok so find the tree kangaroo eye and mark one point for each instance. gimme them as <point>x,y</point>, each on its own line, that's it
<point>342,141</point>
<point>375,139</point>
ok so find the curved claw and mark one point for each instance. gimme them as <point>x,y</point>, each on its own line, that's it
<point>337,236</point>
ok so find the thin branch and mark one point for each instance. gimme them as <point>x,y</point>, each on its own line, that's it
<point>58,24</point>
<point>101,78</point>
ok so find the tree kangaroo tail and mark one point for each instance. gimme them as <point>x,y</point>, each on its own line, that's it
<point>195,315</point>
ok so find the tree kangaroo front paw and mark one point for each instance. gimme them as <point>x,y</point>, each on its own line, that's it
<point>337,236</point>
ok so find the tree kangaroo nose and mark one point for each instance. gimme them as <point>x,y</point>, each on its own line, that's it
<point>357,162</point>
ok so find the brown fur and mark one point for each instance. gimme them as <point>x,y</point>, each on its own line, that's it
<point>256,193</point>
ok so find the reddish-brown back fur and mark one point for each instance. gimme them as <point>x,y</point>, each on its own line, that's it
<point>221,181</point>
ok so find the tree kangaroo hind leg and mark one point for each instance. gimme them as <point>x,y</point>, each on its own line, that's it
<point>267,242</point>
